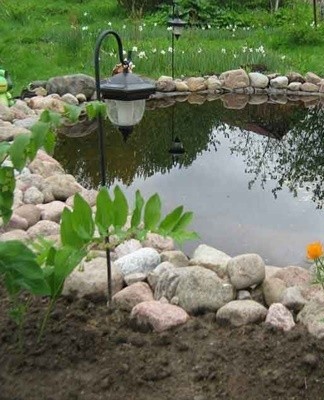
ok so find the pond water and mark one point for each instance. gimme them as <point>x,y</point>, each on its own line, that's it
<point>253,177</point>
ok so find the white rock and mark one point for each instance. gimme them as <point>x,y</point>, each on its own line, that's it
<point>210,258</point>
<point>294,86</point>
<point>213,83</point>
<point>16,234</point>
<point>29,212</point>
<point>258,80</point>
<point>280,317</point>
<point>294,276</point>
<point>241,312</point>
<point>62,186</point>
<point>246,270</point>
<point>142,260</point>
<point>127,247</point>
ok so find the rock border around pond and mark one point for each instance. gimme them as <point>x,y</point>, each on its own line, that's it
<point>158,285</point>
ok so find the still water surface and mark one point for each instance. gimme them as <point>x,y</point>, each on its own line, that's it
<point>253,177</point>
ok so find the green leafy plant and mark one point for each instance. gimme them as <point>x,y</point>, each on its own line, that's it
<point>42,269</point>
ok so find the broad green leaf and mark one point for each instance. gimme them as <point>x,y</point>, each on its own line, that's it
<point>152,212</point>
<point>49,142</point>
<point>51,117</point>
<point>66,259</point>
<point>19,263</point>
<point>82,221</point>
<point>137,213</point>
<point>120,207</point>
<point>72,112</point>
<point>4,149</point>
<point>182,236</point>
<point>39,130</point>
<point>7,186</point>
<point>96,108</point>
<point>18,151</point>
<point>105,212</point>
<point>170,221</point>
<point>37,138</point>
<point>183,221</point>
<point>68,235</point>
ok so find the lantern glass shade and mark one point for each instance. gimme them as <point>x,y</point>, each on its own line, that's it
<point>177,30</point>
<point>125,113</point>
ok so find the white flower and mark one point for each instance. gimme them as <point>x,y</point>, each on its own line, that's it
<point>162,52</point>
<point>111,54</point>
<point>140,28</point>
<point>203,28</point>
<point>283,57</point>
<point>142,54</point>
<point>134,48</point>
<point>109,23</point>
<point>182,52</point>
<point>154,50</point>
<point>85,13</point>
<point>223,51</point>
<point>261,49</point>
<point>250,50</point>
<point>85,28</point>
<point>209,26</point>
<point>124,26</point>
<point>234,55</point>
<point>155,24</point>
<point>169,28</point>
<point>144,24</point>
<point>199,50</point>
<point>233,34</point>
<point>244,48</point>
<point>124,52</point>
<point>170,50</point>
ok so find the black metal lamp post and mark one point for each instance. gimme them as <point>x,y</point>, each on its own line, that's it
<point>125,94</point>
<point>177,25</point>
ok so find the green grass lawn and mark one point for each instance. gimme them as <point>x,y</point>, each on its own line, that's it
<point>40,41</point>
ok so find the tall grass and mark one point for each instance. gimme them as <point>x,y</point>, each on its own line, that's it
<point>40,40</point>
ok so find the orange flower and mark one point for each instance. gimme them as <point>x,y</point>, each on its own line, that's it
<point>314,250</point>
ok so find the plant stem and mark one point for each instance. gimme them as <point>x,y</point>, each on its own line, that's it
<point>45,319</point>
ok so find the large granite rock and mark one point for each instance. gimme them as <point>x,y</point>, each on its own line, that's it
<point>312,316</point>
<point>195,289</point>
<point>246,270</point>
<point>234,79</point>
<point>258,80</point>
<point>211,258</point>
<point>241,312</point>
<point>280,317</point>
<point>74,84</point>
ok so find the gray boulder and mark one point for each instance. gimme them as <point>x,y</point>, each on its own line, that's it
<point>92,279</point>
<point>197,289</point>
<point>210,258</point>
<point>246,270</point>
<point>312,316</point>
<point>74,84</point>
<point>241,312</point>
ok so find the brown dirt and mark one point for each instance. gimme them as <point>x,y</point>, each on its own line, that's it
<point>90,354</point>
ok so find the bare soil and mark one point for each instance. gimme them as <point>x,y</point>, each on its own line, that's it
<point>90,354</point>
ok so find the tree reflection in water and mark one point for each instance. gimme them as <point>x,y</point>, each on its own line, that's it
<point>281,143</point>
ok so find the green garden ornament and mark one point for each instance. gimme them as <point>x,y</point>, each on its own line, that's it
<point>5,96</point>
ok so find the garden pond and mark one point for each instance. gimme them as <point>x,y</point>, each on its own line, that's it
<point>253,177</point>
